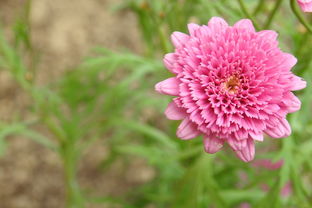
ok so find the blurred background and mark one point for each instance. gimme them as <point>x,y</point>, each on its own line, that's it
<point>81,125</point>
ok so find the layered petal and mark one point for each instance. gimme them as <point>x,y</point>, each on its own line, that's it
<point>245,24</point>
<point>268,34</point>
<point>192,28</point>
<point>179,39</point>
<point>288,61</point>
<point>212,145</point>
<point>187,129</point>
<point>256,135</point>
<point>173,112</point>
<point>248,152</point>
<point>282,129</point>
<point>217,24</point>
<point>292,102</point>
<point>169,61</point>
<point>236,144</point>
<point>169,86</point>
<point>297,83</point>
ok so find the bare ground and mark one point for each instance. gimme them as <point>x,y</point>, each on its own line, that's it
<point>63,32</point>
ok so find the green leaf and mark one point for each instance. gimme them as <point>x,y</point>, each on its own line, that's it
<point>154,133</point>
<point>21,129</point>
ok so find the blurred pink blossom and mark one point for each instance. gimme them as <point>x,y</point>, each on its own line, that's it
<point>232,84</point>
<point>268,164</point>
<point>286,190</point>
<point>244,205</point>
<point>264,187</point>
<point>306,5</point>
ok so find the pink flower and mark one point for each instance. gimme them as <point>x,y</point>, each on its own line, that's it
<point>244,205</point>
<point>286,190</point>
<point>232,84</point>
<point>306,5</point>
<point>268,164</point>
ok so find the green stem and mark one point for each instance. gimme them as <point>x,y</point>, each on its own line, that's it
<point>272,14</point>
<point>306,67</point>
<point>302,43</point>
<point>74,197</point>
<point>161,32</point>
<point>54,129</point>
<point>163,40</point>
<point>299,15</point>
<point>247,14</point>
<point>258,7</point>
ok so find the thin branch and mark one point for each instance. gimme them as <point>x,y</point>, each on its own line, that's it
<point>272,14</point>
<point>299,16</point>
<point>247,14</point>
<point>258,7</point>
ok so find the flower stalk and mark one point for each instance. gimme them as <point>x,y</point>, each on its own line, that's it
<point>247,14</point>
<point>74,197</point>
<point>272,14</point>
<point>299,16</point>
<point>258,7</point>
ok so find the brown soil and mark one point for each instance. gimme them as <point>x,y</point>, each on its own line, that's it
<point>63,32</point>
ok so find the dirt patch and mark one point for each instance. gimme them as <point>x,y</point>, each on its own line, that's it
<point>63,33</point>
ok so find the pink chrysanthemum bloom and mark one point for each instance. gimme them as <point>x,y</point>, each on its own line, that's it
<point>306,5</point>
<point>232,84</point>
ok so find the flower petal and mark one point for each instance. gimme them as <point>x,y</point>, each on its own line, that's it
<point>288,61</point>
<point>306,5</point>
<point>245,24</point>
<point>169,61</point>
<point>192,27</point>
<point>217,24</point>
<point>236,144</point>
<point>179,39</point>
<point>297,83</point>
<point>281,130</point>
<point>169,86</point>
<point>292,102</point>
<point>213,145</point>
<point>256,136</point>
<point>286,127</point>
<point>268,34</point>
<point>173,112</point>
<point>248,152</point>
<point>187,130</point>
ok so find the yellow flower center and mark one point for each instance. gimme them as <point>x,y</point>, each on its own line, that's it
<point>232,84</point>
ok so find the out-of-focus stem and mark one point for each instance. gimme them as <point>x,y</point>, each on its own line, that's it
<point>74,197</point>
<point>258,7</point>
<point>247,14</point>
<point>302,43</point>
<point>163,40</point>
<point>299,16</point>
<point>272,14</point>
